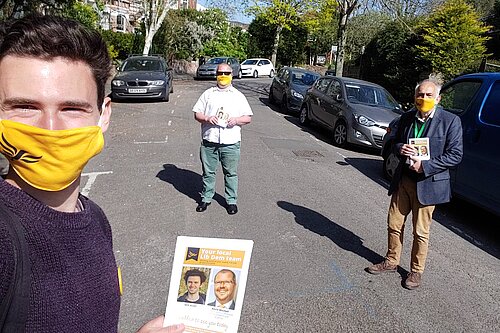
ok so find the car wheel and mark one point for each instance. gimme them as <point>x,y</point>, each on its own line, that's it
<point>271,74</point>
<point>390,165</point>
<point>340,134</point>
<point>240,74</point>
<point>284,104</point>
<point>271,96</point>
<point>255,74</point>
<point>166,96</point>
<point>304,116</point>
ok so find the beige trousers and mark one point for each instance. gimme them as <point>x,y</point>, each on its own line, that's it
<point>404,201</point>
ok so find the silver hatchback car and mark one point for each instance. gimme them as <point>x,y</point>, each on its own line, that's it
<point>357,111</point>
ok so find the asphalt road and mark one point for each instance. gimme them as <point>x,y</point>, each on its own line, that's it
<point>317,215</point>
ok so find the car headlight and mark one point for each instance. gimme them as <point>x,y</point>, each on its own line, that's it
<point>297,94</point>
<point>157,83</point>
<point>365,121</point>
<point>118,83</point>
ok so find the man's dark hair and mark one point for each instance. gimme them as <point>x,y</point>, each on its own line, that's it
<point>48,37</point>
<point>195,272</point>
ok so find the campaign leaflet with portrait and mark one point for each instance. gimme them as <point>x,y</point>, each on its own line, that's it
<point>207,284</point>
<point>422,146</point>
<point>222,117</point>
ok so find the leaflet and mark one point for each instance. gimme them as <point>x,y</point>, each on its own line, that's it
<point>222,117</point>
<point>423,148</point>
<point>207,284</point>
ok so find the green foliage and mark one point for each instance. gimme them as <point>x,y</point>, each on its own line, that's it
<point>121,44</point>
<point>259,43</point>
<point>392,61</point>
<point>453,38</point>
<point>322,25</point>
<point>20,8</point>
<point>187,34</point>
<point>83,13</point>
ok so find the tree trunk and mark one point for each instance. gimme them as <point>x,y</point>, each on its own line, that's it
<point>275,45</point>
<point>342,38</point>
<point>148,41</point>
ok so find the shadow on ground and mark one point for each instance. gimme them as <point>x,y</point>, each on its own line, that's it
<point>343,238</point>
<point>186,182</point>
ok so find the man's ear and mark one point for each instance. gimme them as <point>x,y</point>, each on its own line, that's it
<point>105,114</point>
<point>438,99</point>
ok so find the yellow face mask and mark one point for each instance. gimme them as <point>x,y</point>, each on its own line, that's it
<point>224,80</point>
<point>49,160</point>
<point>425,104</point>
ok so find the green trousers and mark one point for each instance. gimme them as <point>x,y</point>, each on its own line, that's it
<point>229,156</point>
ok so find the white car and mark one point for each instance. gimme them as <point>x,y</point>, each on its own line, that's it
<point>257,67</point>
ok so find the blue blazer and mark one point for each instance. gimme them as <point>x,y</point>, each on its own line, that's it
<point>446,148</point>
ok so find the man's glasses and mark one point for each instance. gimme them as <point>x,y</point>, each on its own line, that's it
<point>224,73</point>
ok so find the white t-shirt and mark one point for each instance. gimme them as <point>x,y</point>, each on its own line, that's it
<point>231,102</point>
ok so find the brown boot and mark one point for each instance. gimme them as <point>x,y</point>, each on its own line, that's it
<point>413,280</point>
<point>383,267</point>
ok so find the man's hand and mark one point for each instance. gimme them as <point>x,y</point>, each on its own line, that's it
<point>156,326</point>
<point>417,165</point>
<point>233,121</point>
<point>408,150</point>
<point>212,120</point>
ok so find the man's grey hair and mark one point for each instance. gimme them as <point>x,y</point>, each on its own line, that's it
<point>434,79</point>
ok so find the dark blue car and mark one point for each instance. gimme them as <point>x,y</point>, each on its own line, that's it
<point>289,88</point>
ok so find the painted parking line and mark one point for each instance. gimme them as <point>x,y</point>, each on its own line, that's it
<point>148,142</point>
<point>92,177</point>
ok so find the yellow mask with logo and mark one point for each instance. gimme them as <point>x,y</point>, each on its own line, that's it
<point>49,160</point>
<point>425,104</point>
<point>224,80</point>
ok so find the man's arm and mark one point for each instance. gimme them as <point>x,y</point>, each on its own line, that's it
<point>452,154</point>
<point>240,121</point>
<point>202,118</point>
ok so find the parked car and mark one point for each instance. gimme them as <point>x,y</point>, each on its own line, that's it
<point>289,87</point>
<point>475,99</point>
<point>209,68</point>
<point>357,111</point>
<point>257,67</point>
<point>143,77</point>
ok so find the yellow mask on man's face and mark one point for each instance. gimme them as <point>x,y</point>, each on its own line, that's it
<point>425,104</point>
<point>49,160</point>
<point>224,80</point>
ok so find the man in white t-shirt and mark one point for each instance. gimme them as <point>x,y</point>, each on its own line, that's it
<point>221,110</point>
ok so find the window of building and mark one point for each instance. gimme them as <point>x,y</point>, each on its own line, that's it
<point>120,22</point>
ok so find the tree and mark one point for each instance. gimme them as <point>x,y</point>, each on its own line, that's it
<point>83,13</point>
<point>155,12</point>
<point>281,14</point>
<point>17,8</point>
<point>346,7</point>
<point>453,38</point>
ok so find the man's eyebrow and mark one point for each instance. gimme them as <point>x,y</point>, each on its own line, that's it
<point>28,101</point>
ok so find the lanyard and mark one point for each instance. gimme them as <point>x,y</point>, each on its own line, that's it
<point>416,131</point>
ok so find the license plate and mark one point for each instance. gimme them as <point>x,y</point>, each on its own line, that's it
<point>137,91</point>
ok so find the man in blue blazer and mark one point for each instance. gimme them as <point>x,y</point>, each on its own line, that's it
<point>419,184</point>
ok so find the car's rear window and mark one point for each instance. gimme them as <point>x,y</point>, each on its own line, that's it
<point>304,78</point>
<point>216,61</point>
<point>249,62</point>
<point>457,97</point>
<point>369,95</point>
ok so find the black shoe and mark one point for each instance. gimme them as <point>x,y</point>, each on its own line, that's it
<point>232,209</point>
<point>202,206</point>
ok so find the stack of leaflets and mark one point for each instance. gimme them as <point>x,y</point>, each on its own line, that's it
<point>207,284</point>
<point>222,117</point>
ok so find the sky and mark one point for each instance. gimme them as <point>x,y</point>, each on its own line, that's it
<point>239,17</point>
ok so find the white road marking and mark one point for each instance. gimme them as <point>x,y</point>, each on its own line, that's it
<point>169,123</point>
<point>92,177</point>
<point>172,112</point>
<point>344,157</point>
<point>147,142</point>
